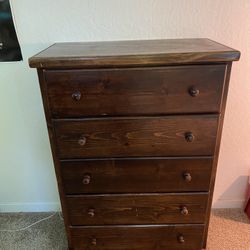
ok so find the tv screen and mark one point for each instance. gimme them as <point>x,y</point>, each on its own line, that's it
<point>9,45</point>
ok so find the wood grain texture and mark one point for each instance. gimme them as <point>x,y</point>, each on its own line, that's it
<point>128,209</point>
<point>133,53</point>
<point>160,237</point>
<point>217,150</point>
<point>54,154</point>
<point>136,175</point>
<point>141,91</point>
<point>129,122</point>
<point>155,136</point>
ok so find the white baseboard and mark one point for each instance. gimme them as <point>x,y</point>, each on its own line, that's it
<point>14,207</point>
<point>228,204</point>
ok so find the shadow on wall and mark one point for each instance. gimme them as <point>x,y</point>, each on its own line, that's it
<point>235,214</point>
<point>229,199</point>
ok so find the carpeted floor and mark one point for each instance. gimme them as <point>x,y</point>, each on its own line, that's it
<point>229,230</point>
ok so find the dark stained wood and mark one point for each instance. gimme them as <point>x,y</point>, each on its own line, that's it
<point>140,91</point>
<point>136,175</point>
<point>133,53</point>
<point>216,153</point>
<point>161,99</point>
<point>55,158</point>
<point>131,209</point>
<point>160,237</point>
<point>150,136</point>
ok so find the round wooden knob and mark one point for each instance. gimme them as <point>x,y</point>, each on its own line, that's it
<point>193,91</point>
<point>91,212</point>
<point>82,141</point>
<point>93,241</point>
<point>181,239</point>
<point>86,179</point>
<point>189,136</point>
<point>76,95</point>
<point>184,210</point>
<point>187,177</point>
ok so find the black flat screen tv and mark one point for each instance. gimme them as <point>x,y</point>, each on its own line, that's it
<point>9,45</point>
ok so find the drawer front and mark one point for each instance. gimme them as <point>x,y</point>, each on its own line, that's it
<point>166,90</point>
<point>131,209</point>
<point>176,237</point>
<point>136,175</point>
<point>155,136</point>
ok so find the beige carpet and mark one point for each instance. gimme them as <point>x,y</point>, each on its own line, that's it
<point>229,230</point>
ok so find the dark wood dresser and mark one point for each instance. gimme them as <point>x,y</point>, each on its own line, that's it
<point>135,129</point>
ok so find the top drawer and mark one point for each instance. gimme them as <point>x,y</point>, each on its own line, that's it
<point>135,91</point>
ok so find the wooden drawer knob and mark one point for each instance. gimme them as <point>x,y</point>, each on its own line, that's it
<point>86,179</point>
<point>181,239</point>
<point>76,96</point>
<point>193,91</point>
<point>189,136</point>
<point>184,210</point>
<point>91,212</point>
<point>94,242</point>
<point>82,141</point>
<point>187,177</point>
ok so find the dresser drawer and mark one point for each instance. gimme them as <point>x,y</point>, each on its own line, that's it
<point>151,136</point>
<point>138,91</point>
<point>136,175</point>
<point>131,209</point>
<point>176,237</point>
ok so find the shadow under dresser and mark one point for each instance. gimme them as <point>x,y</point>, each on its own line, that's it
<point>135,130</point>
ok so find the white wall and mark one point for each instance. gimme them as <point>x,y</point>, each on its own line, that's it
<point>27,179</point>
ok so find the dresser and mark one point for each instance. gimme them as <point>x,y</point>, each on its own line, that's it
<point>135,130</point>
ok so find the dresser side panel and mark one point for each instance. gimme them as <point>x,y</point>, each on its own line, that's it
<point>54,152</point>
<point>216,152</point>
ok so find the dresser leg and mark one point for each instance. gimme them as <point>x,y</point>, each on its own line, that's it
<point>204,244</point>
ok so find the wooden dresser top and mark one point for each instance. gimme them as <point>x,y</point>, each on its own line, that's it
<point>133,53</point>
